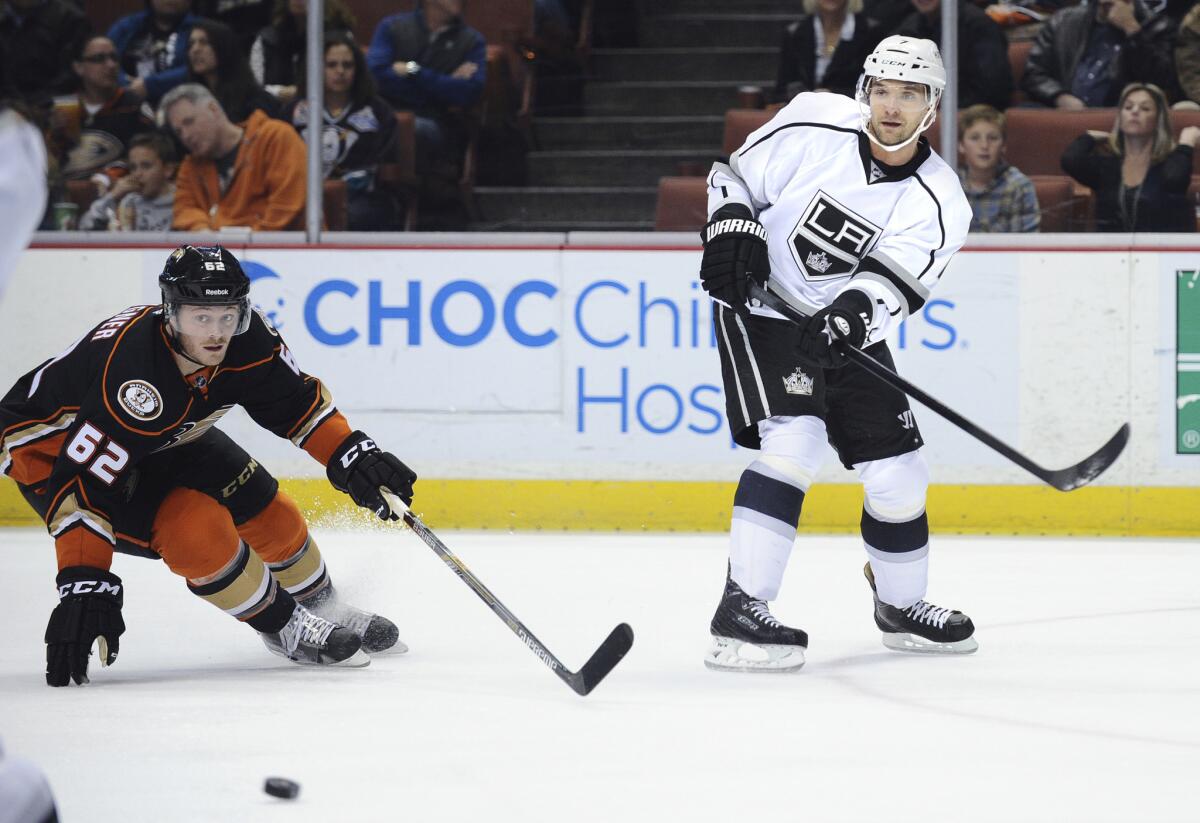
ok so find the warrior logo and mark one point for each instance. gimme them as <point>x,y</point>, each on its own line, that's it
<point>140,399</point>
<point>830,239</point>
<point>798,383</point>
<point>907,419</point>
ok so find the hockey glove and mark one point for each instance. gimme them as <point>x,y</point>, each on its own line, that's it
<point>88,610</point>
<point>735,252</point>
<point>359,468</point>
<point>845,319</point>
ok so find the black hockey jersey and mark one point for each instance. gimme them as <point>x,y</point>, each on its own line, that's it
<point>74,427</point>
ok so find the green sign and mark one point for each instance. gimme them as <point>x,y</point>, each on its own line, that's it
<point>1187,365</point>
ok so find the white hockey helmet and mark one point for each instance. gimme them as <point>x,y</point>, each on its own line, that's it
<point>910,60</point>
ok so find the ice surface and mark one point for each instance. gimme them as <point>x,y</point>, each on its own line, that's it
<point>1083,703</point>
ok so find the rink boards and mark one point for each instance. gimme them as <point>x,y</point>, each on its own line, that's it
<point>571,382</point>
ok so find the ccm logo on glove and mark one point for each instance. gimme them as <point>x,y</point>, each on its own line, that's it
<point>89,587</point>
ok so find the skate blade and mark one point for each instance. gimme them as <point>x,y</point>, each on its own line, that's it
<point>354,661</point>
<point>729,655</point>
<point>396,648</point>
<point>912,644</point>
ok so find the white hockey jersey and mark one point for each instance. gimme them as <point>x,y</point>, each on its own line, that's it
<point>836,219</point>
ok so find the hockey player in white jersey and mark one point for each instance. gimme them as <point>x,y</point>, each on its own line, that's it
<point>839,207</point>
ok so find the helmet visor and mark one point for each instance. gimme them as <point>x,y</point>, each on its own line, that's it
<point>209,319</point>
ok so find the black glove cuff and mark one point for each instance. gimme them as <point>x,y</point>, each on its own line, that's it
<point>77,581</point>
<point>733,227</point>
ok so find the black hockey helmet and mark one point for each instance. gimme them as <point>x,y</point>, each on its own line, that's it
<point>205,276</point>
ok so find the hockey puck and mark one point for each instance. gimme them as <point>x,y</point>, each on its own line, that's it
<point>281,787</point>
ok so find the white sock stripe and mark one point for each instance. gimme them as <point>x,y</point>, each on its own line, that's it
<point>255,598</point>
<point>783,470</point>
<point>312,578</point>
<point>892,515</point>
<point>897,557</point>
<point>754,519</point>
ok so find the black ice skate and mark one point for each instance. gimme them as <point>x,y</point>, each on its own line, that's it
<point>314,641</point>
<point>922,627</point>
<point>747,638</point>
<point>378,634</point>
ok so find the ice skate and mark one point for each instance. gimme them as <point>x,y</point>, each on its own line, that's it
<point>311,640</point>
<point>378,634</point>
<point>747,638</point>
<point>922,628</point>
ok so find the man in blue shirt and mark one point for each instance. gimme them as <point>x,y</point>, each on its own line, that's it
<point>429,62</point>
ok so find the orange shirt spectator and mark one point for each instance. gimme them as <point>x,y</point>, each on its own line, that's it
<point>251,174</point>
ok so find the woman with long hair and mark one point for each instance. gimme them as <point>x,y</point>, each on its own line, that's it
<point>1139,174</point>
<point>215,61</point>
<point>277,56</point>
<point>358,133</point>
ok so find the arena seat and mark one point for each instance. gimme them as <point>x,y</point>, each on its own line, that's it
<point>682,204</point>
<point>1038,137</point>
<point>738,125</point>
<point>1018,56</point>
<point>1062,207</point>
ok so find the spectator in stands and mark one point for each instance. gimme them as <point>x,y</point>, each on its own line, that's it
<point>277,57</point>
<point>359,133</point>
<point>428,62</point>
<point>1140,176</point>
<point>984,74</point>
<point>245,17</point>
<point>100,121</point>
<point>824,50</point>
<point>153,47</point>
<point>1187,57</point>
<point>1002,198</point>
<point>215,63</point>
<point>1085,54</point>
<point>38,41</point>
<point>250,175</point>
<point>144,199</point>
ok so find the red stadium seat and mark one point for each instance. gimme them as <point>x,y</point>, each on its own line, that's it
<point>1018,56</point>
<point>682,204</point>
<point>1038,137</point>
<point>738,125</point>
<point>1062,207</point>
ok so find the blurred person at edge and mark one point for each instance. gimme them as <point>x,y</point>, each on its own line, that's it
<point>25,795</point>
<point>249,174</point>
<point>357,135</point>
<point>144,199</point>
<point>1138,172</point>
<point>1085,54</point>
<point>22,186</point>
<point>153,47</point>
<point>215,62</point>
<point>1002,198</point>
<point>97,123</point>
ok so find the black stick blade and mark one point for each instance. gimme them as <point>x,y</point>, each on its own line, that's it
<point>602,661</point>
<point>1092,467</point>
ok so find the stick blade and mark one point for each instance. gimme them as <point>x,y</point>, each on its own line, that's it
<point>603,660</point>
<point>1092,467</point>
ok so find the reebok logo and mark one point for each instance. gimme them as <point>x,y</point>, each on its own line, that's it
<point>216,292</point>
<point>736,226</point>
<point>88,587</point>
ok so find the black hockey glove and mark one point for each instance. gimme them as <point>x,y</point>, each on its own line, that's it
<point>359,468</point>
<point>735,252</point>
<point>89,609</point>
<point>845,319</point>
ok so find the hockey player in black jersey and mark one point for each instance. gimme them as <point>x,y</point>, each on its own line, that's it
<point>112,442</point>
<point>840,208</point>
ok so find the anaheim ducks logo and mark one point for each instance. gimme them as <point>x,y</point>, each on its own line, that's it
<point>140,399</point>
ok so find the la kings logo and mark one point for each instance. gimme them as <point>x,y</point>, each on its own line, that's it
<point>830,239</point>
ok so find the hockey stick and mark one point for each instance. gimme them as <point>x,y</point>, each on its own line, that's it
<point>602,661</point>
<point>1065,480</point>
